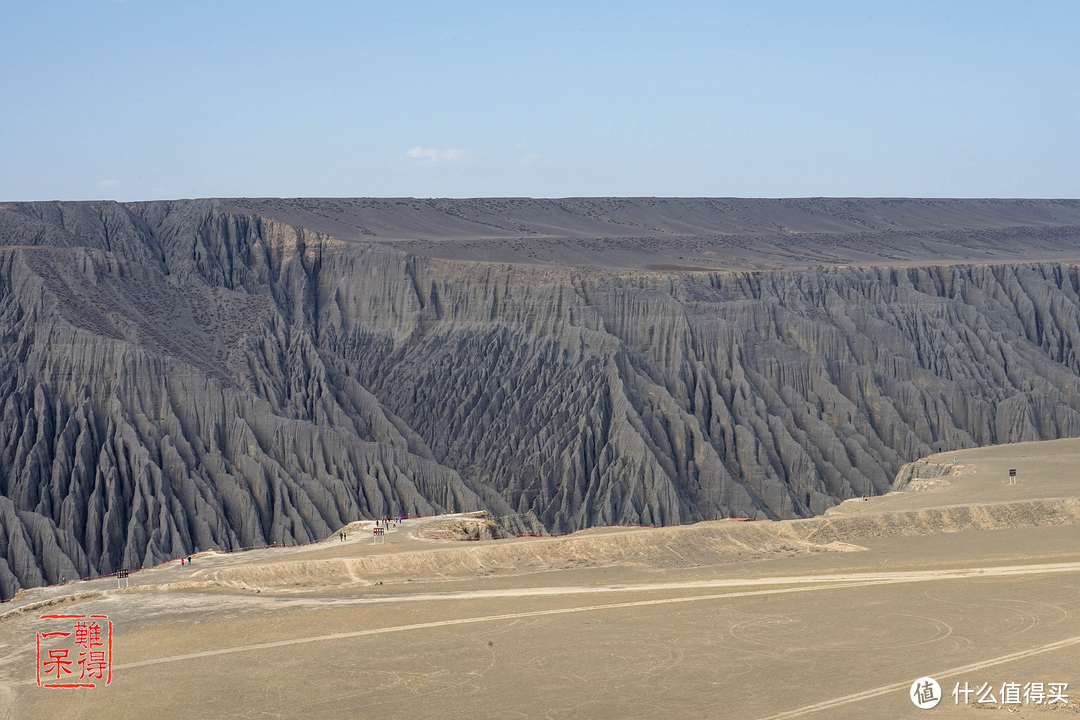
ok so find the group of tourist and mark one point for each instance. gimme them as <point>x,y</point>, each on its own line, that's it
<point>383,522</point>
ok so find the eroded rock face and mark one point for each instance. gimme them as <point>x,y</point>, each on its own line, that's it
<point>182,376</point>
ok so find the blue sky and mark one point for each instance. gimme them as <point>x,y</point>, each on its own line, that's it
<point>150,99</point>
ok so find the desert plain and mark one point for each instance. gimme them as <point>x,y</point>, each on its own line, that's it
<point>965,577</point>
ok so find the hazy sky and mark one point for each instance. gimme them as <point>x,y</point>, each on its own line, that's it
<point>184,98</point>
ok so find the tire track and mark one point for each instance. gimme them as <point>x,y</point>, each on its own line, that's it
<point>952,672</point>
<point>802,584</point>
<point>879,577</point>
<point>791,585</point>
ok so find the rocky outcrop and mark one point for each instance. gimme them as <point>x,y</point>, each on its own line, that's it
<point>519,525</point>
<point>920,470</point>
<point>192,375</point>
<point>482,526</point>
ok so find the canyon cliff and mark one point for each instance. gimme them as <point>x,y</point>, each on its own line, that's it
<point>217,374</point>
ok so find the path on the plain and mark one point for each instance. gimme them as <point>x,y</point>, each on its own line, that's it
<point>806,583</point>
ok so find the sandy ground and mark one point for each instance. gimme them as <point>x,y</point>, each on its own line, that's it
<point>969,580</point>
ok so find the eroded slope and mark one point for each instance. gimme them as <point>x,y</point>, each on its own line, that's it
<point>182,376</point>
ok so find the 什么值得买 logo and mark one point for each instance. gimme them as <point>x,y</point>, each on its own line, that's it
<point>925,693</point>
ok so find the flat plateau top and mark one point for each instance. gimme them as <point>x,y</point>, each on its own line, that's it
<point>966,578</point>
<point>696,234</point>
<point>1049,469</point>
<point>650,234</point>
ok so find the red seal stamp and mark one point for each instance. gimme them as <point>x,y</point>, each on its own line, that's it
<point>74,651</point>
